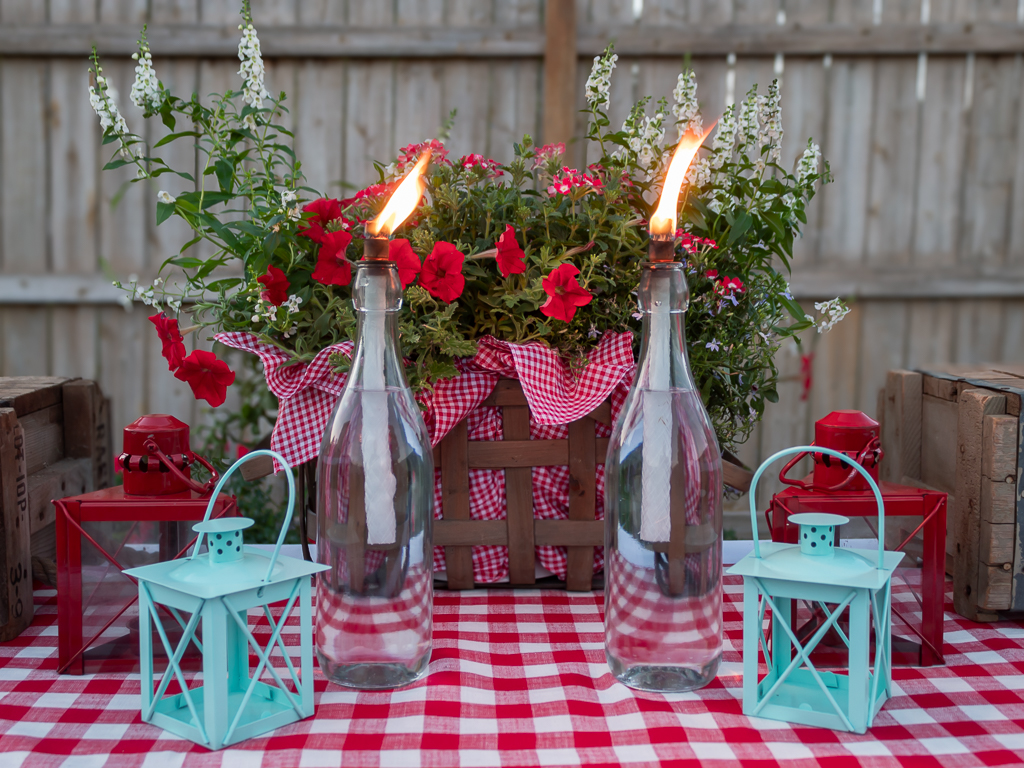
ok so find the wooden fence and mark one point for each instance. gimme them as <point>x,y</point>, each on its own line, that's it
<point>916,103</point>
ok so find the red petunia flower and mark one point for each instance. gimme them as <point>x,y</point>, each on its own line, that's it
<point>711,274</point>
<point>564,293</point>
<point>332,268</point>
<point>170,336</point>
<point>442,275</point>
<point>208,376</point>
<point>276,285</point>
<point>511,259</point>
<point>400,252</point>
<point>324,210</point>
<point>733,284</point>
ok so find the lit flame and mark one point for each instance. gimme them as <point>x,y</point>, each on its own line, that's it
<point>403,200</point>
<point>663,222</point>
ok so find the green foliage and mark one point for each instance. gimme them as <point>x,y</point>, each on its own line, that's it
<point>248,205</point>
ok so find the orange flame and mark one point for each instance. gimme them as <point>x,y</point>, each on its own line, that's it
<point>663,222</point>
<point>403,200</point>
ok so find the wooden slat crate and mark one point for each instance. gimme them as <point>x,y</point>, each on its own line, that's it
<point>54,442</point>
<point>517,454</point>
<point>957,429</point>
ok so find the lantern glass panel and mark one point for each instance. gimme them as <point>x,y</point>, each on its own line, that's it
<point>106,591</point>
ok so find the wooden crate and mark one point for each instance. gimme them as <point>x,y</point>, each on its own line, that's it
<point>54,442</point>
<point>957,429</point>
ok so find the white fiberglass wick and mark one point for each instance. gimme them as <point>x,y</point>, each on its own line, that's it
<point>379,483</point>
<point>655,513</point>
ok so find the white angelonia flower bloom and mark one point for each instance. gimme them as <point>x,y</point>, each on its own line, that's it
<point>699,173</point>
<point>829,313</point>
<point>146,89</point>
<point>294,214</point>
<point>749,129</point>
<point>252,71</point>
<point>725,138</point>
<point>288,196</point>
<point>103,99</point>
<point>599,82</point>
<point>770,119</point>
<point>807,165</point>
<point>686,108</point>
<point>164,196</point>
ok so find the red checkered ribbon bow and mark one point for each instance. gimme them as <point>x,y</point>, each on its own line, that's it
<point>556,395</point>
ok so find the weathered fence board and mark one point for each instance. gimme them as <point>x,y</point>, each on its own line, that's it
<point>924,225</point>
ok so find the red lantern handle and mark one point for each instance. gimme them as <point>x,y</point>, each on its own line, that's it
<point>164,459</point>
<point>872,450</point>
<point>789,465</point>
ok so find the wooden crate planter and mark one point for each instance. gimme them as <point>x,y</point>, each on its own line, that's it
<point>54,442</point>
<point>957,429</point>
<point>517,454</point>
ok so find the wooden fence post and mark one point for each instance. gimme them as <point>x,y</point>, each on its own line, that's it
<point>559,70</point>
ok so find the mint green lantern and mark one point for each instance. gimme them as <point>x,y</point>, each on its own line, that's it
<point>838,580</point>
<point>217,589</point>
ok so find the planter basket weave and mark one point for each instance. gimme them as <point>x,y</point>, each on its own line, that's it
<point>517,454</point>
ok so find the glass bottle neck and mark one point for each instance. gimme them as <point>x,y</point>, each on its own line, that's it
<point>663,296</point>
<point>377,300</point>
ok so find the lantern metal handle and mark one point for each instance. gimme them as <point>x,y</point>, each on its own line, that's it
<point>842,457</point>
<point>288,513</point>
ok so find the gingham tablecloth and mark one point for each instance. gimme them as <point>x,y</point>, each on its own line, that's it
<point>518,679</point>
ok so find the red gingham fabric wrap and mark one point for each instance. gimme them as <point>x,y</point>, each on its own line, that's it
<point>520,679</point>
<point>307,394</point>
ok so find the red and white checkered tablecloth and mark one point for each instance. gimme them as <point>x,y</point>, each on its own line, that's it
<point>519,679</point>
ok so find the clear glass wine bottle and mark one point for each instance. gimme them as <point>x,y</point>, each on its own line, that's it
<point>375,485</point>
<point>663,510</point>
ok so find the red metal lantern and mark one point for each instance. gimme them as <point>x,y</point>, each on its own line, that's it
<point>835,488</point>
<point>157,460</point>
<point>99,534</point>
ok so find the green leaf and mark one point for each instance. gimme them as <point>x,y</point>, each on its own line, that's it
<point>167,117</point>
<point>225,176</point>
<point>771,395</point>
<point>186,262</point>
<point>164,211</point>
<point>740,227</point>
<point>172,136</point>
<point>224,285</point>
<point>116,164</point>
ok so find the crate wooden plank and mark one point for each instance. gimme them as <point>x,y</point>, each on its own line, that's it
<point>975,405</point>
<point>996,543</point>
<point>68,477</point>
<point>901,437</point>
<point>87,433</point>
<point>998,501</point>
<point>501,454</point>
<point>44,437</point>
<point>506,392</point>
<point>582,501</point>
<point>16,607</point>
<point>944,389</point>
<point>1017,571</point>
<point>455,502</point>
<point>465,533</point>
<point>938,444</point>
<point>994,590</point>
<point>558,533</point>
<point>999,462</point>
<point>26,394</point>
<point>519,498</point>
